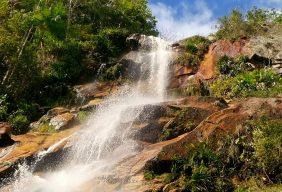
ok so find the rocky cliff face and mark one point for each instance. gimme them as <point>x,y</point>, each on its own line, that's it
<point>260,50</point>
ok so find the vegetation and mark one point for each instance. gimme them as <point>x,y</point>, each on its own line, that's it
<point>254,22</point>
<point>46,46</point>
<point>254,153</point>
<point>19,123</point>
<point>195,48</point>
<point>232,67</point>
<point>259,83</point>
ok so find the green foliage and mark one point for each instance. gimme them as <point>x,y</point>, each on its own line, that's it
<point>238,25</point>
<point>268,146</point>
<point>46,46</point>
<point>196,47</point>
<point>3,107</point>
<point>232,67</point>
<point>19,122</point>
<point>259,83</point>
<point>188,59</point>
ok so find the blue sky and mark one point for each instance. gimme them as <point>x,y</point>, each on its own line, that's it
<point>181,18</point>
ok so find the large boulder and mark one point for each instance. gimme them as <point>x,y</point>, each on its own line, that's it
<point>91,105</point>
<point>62,121</point>
<point>45,119</point>
<point>5,130</point>
<point>90,91</point>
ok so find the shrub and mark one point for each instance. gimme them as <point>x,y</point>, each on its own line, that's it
<point>258,83</point>
<point>195,47</point>
<point>232,67</point>
<point>188,59</point>
<point>19,123</point>
<point>31,110</point>
<point>268,146</point>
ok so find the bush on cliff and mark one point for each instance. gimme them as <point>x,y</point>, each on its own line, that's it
<point>233,66</point>
<point>195,49</point>
<point>257,83</point>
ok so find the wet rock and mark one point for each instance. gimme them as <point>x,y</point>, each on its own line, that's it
<point>27,146</point>
<point>152,112</point>
<point>149,132</point>
<point>5,130</point>
<point>89,91</point>
<point>62,121</point>
<point>92,104</point>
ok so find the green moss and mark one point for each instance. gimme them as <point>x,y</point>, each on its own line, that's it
<point>46,128</point>
<point>82,116</point>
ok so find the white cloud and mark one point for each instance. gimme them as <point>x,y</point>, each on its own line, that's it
<point>183,20</point>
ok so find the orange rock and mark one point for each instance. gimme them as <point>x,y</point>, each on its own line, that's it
<point>5,128</point>
<point>218,49</point>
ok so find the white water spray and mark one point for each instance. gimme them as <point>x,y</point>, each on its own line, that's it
<point>106,141</point>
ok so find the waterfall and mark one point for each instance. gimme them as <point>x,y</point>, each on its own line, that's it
<point>105,140</point>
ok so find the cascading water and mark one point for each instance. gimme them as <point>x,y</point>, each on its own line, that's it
<point>106,140</point>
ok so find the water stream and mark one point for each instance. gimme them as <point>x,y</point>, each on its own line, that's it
<point>105,140</point>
